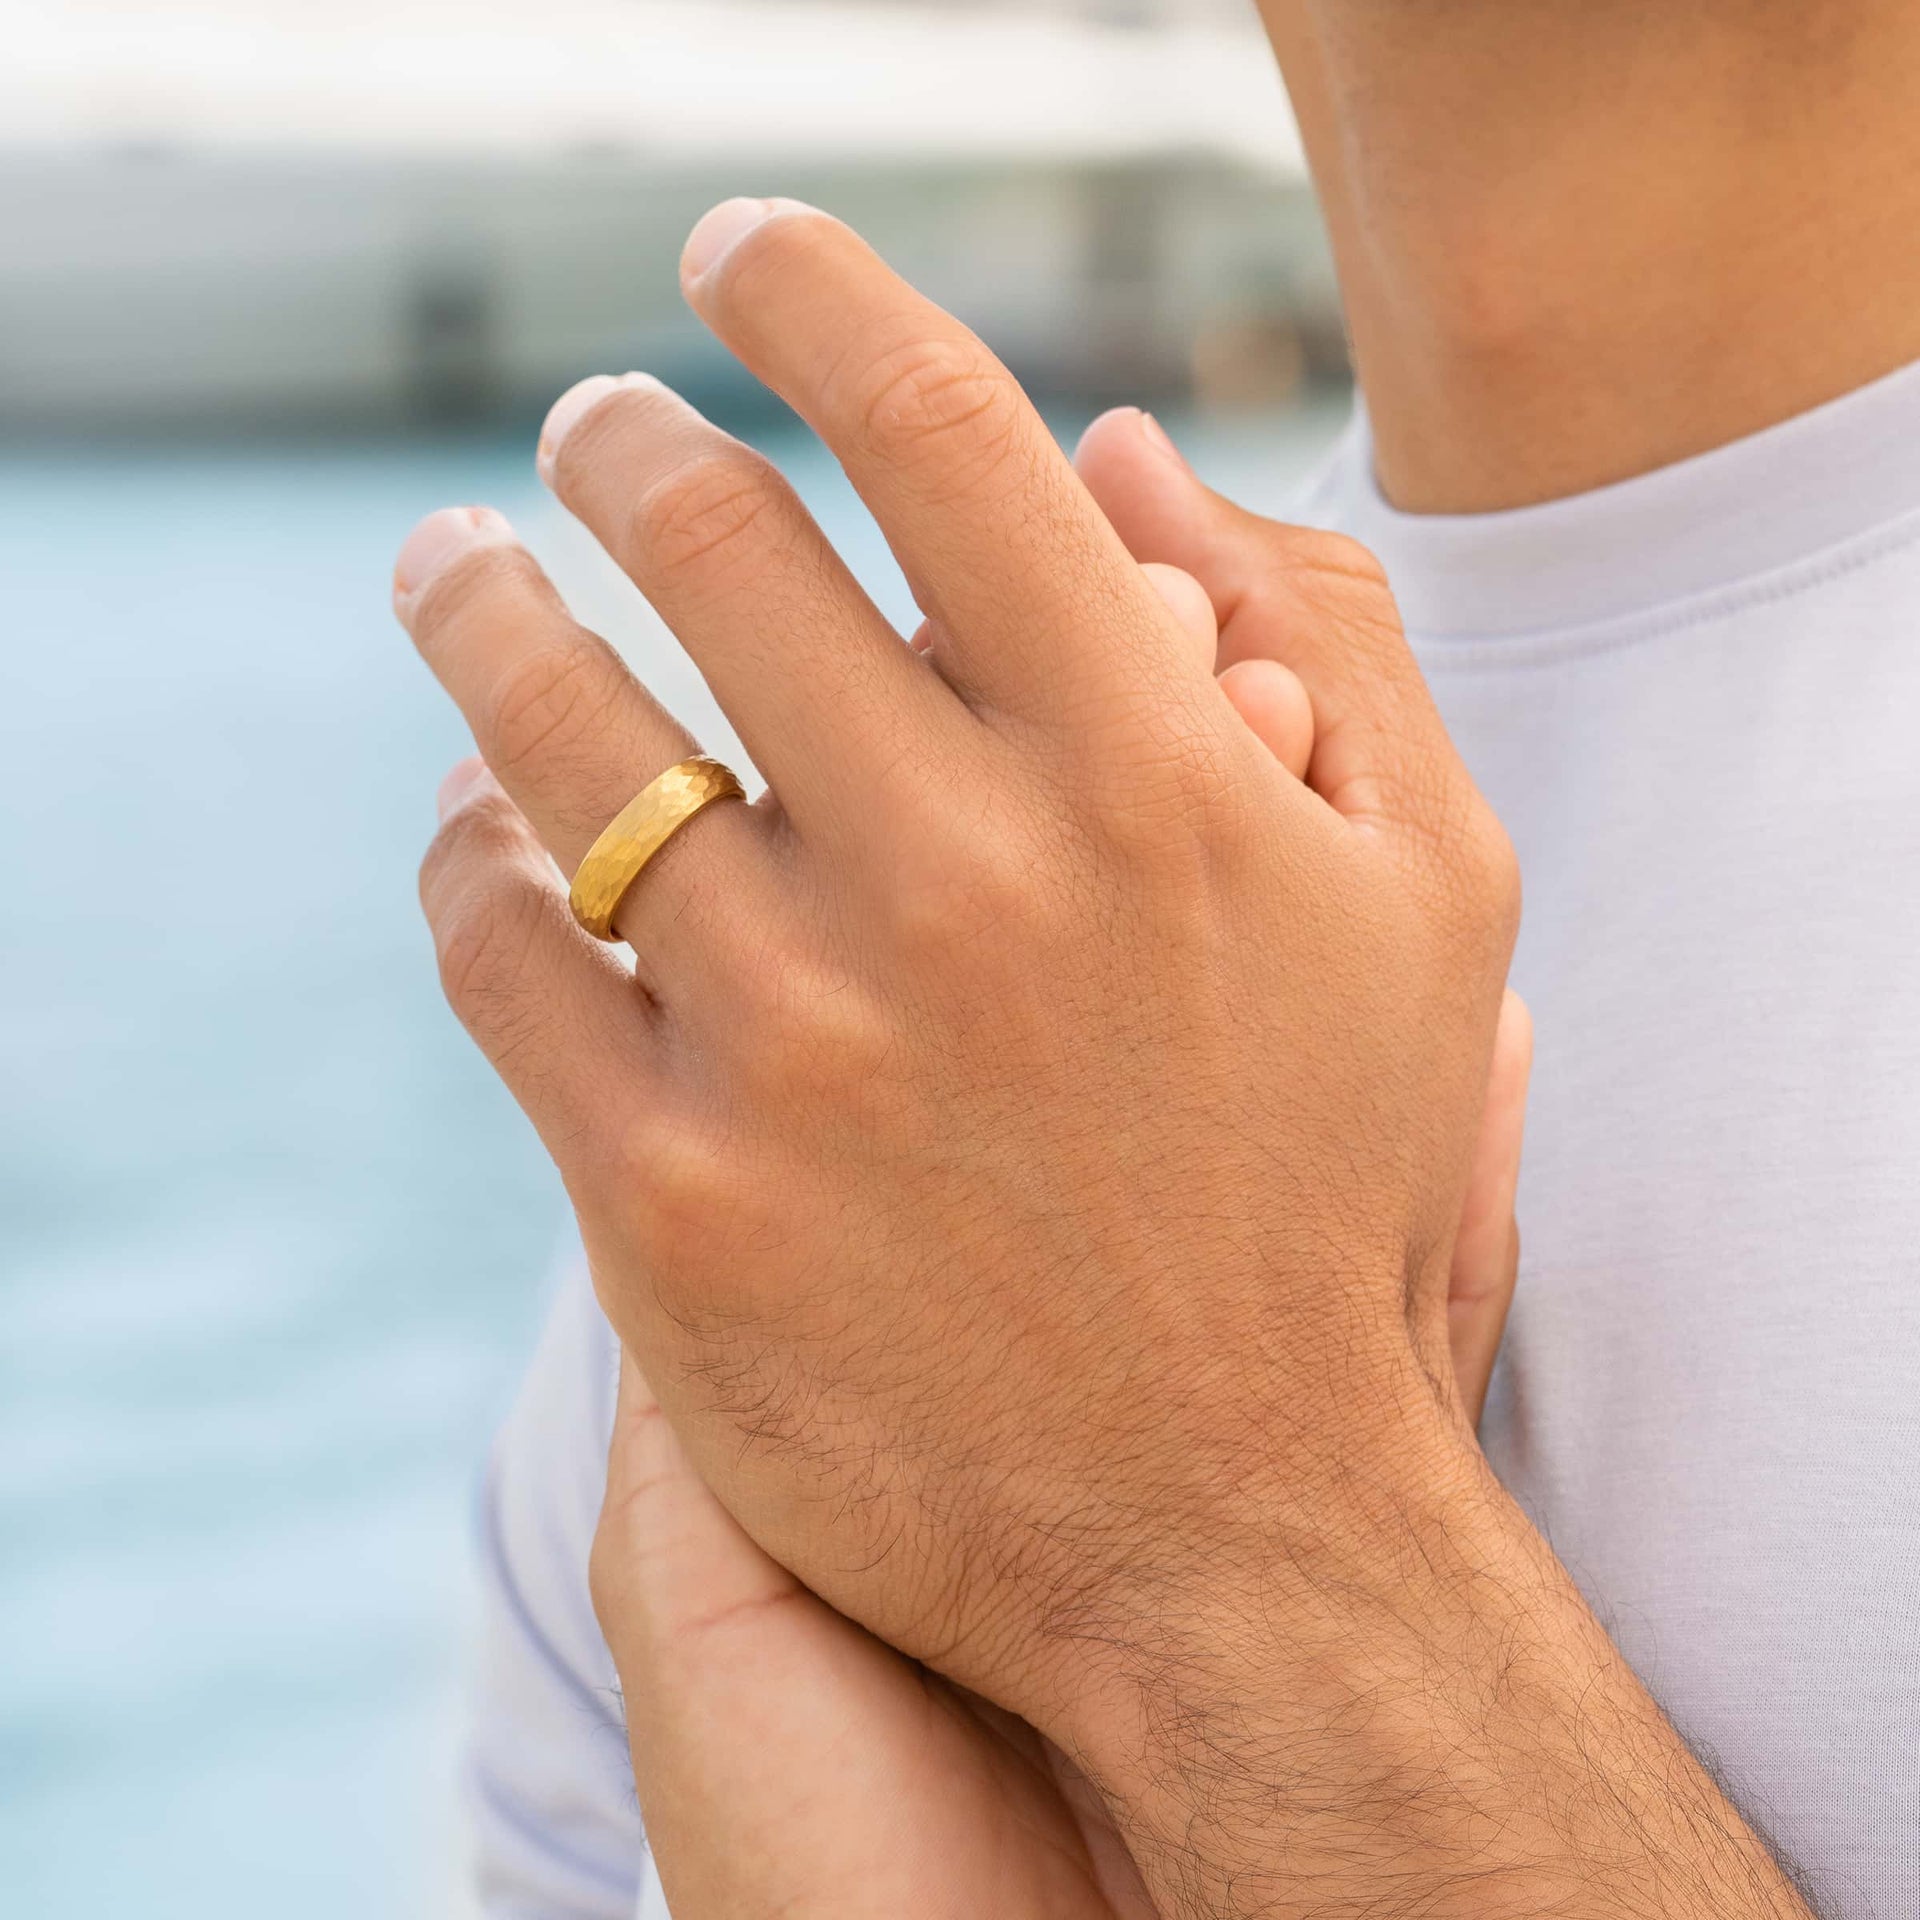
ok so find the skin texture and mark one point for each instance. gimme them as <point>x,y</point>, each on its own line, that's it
<point>788,1762</point>
<point>1577,242</point>
<point>1029,1158</point>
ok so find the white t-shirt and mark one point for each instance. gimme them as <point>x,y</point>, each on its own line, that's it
<point>1695,701</point>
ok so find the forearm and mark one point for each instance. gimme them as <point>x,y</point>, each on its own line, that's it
<point>1425,1719</point>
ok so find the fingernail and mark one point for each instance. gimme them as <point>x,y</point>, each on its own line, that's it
<point>720,231</point>
<point>461,783</point>
<point>439,540</point>
<point>1156,436</point>
<point>573,406</point>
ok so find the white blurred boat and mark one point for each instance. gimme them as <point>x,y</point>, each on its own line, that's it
<point>350,210</point>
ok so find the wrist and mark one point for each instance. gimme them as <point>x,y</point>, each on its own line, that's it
<point>1292,1606</point>
<point>1410,1709</point>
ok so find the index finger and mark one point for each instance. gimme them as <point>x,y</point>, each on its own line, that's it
<point>1002,544</point>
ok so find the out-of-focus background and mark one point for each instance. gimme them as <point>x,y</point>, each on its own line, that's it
<point>277,276</point>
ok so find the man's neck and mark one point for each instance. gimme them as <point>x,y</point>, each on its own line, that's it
<point>1580,241</point>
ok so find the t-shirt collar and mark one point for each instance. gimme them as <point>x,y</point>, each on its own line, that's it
<point>1754,505</point>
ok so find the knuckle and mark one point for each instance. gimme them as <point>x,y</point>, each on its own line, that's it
<point>943,401</point>
<point>1330,577</point>
<point>487,575</point>
<point>1499,869</point>
<point>975,898</point>
<point>843,1039</point>
<point>932,914</point>
<point>468,953</point>
<point>685,1188</point>
<point>470,842</point>
<point>1473,868</point>
<point>705,510</point>
<point>547,704</point>
<point>483,923</point>
<point>1334,557</point>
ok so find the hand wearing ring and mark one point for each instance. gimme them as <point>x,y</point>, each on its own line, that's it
<point>638,831</point>
<point>1030,1180</point>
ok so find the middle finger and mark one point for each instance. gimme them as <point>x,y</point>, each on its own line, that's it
<point>1041,609</point>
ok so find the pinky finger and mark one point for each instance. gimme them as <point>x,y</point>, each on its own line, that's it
<point>553,1009</point>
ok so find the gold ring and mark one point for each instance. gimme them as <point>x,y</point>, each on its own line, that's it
<point>638,831</point>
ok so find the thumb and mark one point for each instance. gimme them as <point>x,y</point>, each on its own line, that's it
<point>1316,602</point>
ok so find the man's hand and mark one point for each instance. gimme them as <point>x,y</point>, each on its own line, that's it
<point>789,1763</point>
<point>1048,1042</point>
<point>1029,1161</point>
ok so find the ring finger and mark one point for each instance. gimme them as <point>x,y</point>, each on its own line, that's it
<point>567,729</point>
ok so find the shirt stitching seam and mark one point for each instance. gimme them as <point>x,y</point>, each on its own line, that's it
<point>1474,652</point>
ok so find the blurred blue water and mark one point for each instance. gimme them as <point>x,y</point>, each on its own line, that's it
<point>272,1241</point>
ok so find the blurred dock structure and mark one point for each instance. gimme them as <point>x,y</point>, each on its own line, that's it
<point>337,212</point>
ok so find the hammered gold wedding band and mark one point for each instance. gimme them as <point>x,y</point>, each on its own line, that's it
<point>638,831</point>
